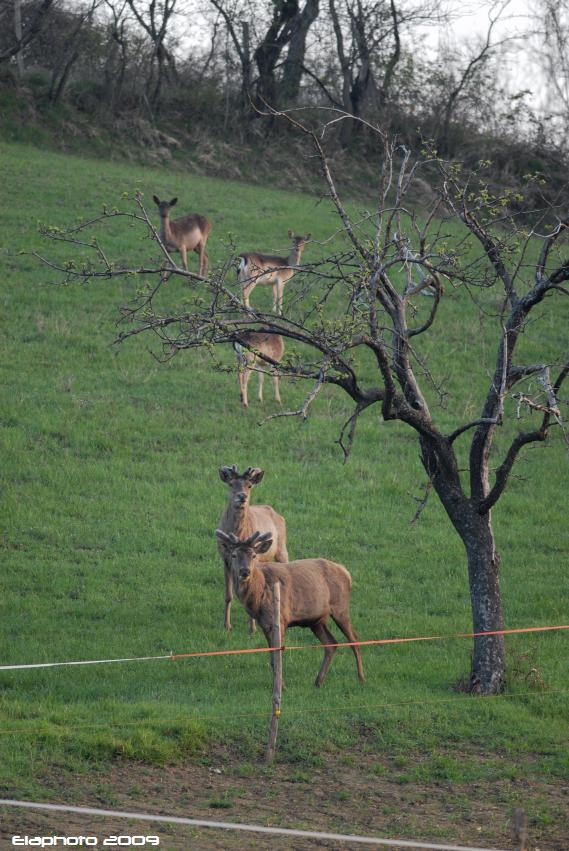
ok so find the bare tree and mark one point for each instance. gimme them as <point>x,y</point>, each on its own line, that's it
<point>116,60</point>
<point>155,17</point>
<point>23,38</point>
<point>294,63</point>
<point>18,34</point>
<point>368,37</point>
<point>239,30</point>
<point>367,299</point>
<point>459,82</point>
<point>275,44</point>
<point>554,57</point>
<point>78,30</point>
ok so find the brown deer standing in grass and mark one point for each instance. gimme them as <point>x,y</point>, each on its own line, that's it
<point>255,268</point>
<point>188,233</point>
<point>242,519</point>
<point>312,590</point>
<point>260,343</point>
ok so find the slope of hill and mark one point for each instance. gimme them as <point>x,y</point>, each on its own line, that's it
<point>111,497</point>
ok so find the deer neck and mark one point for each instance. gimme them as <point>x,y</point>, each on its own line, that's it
<point>165,229</point>
<point>236,519</point>
<point>251,592</point>
<point>295,255</point>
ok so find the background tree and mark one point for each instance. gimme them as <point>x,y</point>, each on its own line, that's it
<point>554,55</point>
<point>239,29</point>
<point>75,33</point>
<point>368,300</point>
<point>369,49</point>
<point>155,19</point>
<point>460,81</point>
<point>117,54</point>
<point>17,35</point>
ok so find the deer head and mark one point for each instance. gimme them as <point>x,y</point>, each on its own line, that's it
<point>299,241</point>
<point>244,552</point>
<point>164,206</point>
<point>240,485</point>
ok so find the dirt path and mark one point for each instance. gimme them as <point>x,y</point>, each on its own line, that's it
<point>353,793</point>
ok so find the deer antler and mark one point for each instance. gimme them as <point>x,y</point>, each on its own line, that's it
<point>229,471</point>
<point>227,539</point>
<point>256,538</point>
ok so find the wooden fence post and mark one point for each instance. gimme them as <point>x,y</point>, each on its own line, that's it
<point>520,830</point>
<point>276,641</point>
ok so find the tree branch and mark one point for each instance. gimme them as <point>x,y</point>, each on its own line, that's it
<point>521,440</point>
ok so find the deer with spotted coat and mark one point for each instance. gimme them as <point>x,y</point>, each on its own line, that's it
<point>255,268</point>
<point>252,349</point>
<point>312,590</point>
<point>242,519</point>
<point>188,233</point>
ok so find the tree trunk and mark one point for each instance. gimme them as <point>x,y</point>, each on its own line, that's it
<point>245,56</point>
<point>18,31</point>
<point>292,74</point>
<point>268,53</point>
<point>488,672</point>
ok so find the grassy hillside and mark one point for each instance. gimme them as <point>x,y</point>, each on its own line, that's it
<point>111,496</point>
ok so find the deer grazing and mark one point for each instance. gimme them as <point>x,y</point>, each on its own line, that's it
<point>312,590</point>
<point>257,268</point>
<point>242,519</point>
<point>253,346</point>
<point>188,233</point>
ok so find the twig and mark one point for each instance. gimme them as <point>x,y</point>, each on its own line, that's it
<point>303,410</point>
<point>423,501</point>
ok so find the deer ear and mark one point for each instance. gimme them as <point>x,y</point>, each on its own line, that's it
<point>263,546</point>
<point>307,237</point>
<point>256,475</point>
<point>291,233</point>
<point>173,201</point>
<point>156,199</point>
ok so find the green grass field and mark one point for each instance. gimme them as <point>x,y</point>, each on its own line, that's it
<point>111,496</point>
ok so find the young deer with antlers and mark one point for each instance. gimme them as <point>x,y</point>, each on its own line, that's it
<point>255,268</point>
<point>312,590</point>
<point>188,233</point>
<point>254,345</point>
<point>242,519</point>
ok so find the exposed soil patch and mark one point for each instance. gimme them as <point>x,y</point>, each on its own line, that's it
<point>355,793</point>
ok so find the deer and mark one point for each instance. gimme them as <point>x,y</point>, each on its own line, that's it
<point>241,518</point>
<point>255,268</point>
<point>188,233</point>
<point>312,591</point>
<point>252,346</point>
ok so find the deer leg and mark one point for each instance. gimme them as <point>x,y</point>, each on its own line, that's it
<point>282,552</point>
<point>247,289</point>
<point>184,255</point>
<point>204,259</point>
<point>228,598</point>
<point>343,622</point>
<point>244,376</point>
<point>252,625</point>
<point>261,382</point>
<point>280,291</point>
<point>278,287</point>
<point>240,377</point>
<point>324,635</point>
<point>276,387</point>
